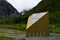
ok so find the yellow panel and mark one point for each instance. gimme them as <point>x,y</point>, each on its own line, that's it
<point>40,28</point>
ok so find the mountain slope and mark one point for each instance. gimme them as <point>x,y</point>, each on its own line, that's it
<point>7,10</point>
<point>47,5</point>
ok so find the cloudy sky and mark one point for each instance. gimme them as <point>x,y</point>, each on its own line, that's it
<point>20,5</point>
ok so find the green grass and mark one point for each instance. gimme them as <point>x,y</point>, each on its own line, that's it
<point>56,28</point>
<point>20,27</point>
<point>14,33</point>
<point>21,39</point>
<point>5,38</point>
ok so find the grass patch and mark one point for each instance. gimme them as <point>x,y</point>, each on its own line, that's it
<point>56,28</point>
<point>16,32</point>
<point>5,38</point>
<point>20,27</point>
<point>21,39</point>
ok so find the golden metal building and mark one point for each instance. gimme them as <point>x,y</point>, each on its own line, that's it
<point>38,25</point>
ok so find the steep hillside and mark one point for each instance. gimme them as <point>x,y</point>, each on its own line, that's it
<point>7,10</point>
<point>47,5</point>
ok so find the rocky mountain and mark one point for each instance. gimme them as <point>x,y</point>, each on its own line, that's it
<point>7,10</point>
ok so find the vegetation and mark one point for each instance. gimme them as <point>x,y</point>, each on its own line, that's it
<point>20,27</point>
<point>56,28</point>
<point>21,39</point>
<point>5,38</point>
<point>9,38</point>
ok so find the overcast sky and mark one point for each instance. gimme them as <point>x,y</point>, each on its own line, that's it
<point>20,5</point>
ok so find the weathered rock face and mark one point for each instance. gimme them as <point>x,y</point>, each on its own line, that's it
<point>7,10</point>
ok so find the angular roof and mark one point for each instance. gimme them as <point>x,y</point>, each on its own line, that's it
<point>35,17</point>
